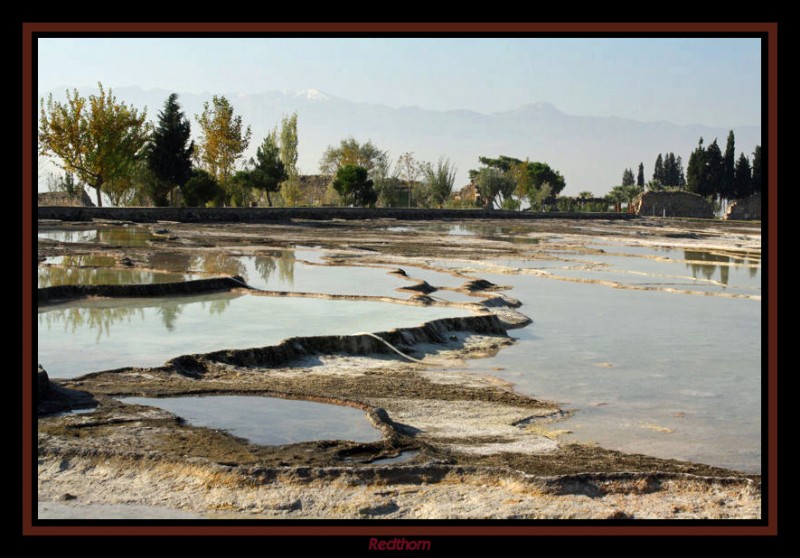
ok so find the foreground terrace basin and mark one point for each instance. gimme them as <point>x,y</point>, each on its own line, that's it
<point>91,335</point>
<point>646,339</point>
<point>269,421</point>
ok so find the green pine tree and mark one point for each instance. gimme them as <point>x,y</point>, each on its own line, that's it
<point>640,176</point>
<point>627,178</point>
<point>743,178</point>
<point>658,170</point>
<point>756,187</point>
<point>729,170</point>
<point>169,155</point>
<point>714,170</point>
<point>695,176</point>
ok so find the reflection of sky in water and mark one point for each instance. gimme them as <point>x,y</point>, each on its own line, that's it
<point>86,336</point>
<point>269,420</point>
<point>284,274</point>
<point>695,357</point>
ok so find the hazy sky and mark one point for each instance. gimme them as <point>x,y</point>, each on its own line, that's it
<point>716,82</point>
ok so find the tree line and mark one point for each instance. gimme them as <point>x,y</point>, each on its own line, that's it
<point>709,173</point>
<point>110,147</point>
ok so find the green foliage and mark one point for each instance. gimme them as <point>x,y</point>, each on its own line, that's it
<point>728,189</point>
<point>658,169</point>
<point>539,173</point>
<point>97,139</point>
<point>388,190</point>
<point>200,189</point>
<point>695,173</point>
<point>290,192</point>
<point>134,187</point>
<point>351,152</point>
<point>385,183</point>
<point>640,176</point>
<point>539,196</point>
<point>288,148</point>
<point>223,139</point>
<point>439,180</point>
<point>627,178</point>
<point>624,193</point>
<point>714,175</point>
<point>353,186</point>
<point>494,185</point>
<point>169,153</point>
<point>65,183</point>
<point>269,170</point>
<point>743,178</point>
<point>756,187</point>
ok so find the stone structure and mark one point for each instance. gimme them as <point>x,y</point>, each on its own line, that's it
<point>64,199</point>
<point>747,209</point>
<point>672,204</point>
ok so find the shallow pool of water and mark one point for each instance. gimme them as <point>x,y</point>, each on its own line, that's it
<point>646,371</point>
<point>283,273</point>
<point>115,236</point>
<point>91,335</point>
<point>268,421</point>
<point>53,276</point>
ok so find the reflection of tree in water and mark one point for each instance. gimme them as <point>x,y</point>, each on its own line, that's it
<point>96,270</point>
<point>169,313</point>
<point>102,318</point>
<point>175,262</point>
<point>124,236</point>
<point>282,261</point>
<point>97,318</point>
<point>708,269</point>
<point>217,307</point>
<point>219,263</point>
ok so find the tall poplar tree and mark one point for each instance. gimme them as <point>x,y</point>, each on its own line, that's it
<point>223,139</point>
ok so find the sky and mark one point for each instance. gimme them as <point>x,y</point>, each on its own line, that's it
<point>710,81</point>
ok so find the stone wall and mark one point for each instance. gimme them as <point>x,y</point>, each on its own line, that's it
<point>266,214</point>
<point>747,209</point>
<point>65,200</point>
<point>672,204</point>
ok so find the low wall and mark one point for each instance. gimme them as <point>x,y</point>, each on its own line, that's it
<point>672,204</point>
<point>265,214</point>
<point>747,209</point>
<point>65,200</point>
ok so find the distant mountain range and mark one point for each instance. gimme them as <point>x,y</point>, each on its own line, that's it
<point>590,151</point>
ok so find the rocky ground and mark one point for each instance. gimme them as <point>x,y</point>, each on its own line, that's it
<point>454,444</point>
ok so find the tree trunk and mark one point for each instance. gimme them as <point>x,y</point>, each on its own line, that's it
<point>97,187</point>
<point>269,200</point>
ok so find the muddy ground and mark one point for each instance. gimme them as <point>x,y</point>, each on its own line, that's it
<point>454,444</point>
